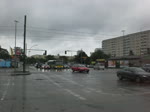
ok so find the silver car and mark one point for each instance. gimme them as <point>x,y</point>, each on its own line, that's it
<point>99,66</point>
<point>146,67</point>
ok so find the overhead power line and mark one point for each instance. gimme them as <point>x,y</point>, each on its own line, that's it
<point>63,31</point>
<point>54,31</point>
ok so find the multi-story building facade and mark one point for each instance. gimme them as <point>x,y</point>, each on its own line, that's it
<point>131,44</point>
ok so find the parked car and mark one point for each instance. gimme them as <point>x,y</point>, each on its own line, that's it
<point>133,73</point>
<point>44,66</point>
<point>90,66</point>
<point>66,66</point>
<point>80,68</point>
<point>47,67</point>
<point>99,66</point>
<point>38,65</point>
<point>58,66</point>
<point>146,67</point>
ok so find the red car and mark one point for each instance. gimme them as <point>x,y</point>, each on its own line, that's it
<point>44,66</point>
<point>80,68</point>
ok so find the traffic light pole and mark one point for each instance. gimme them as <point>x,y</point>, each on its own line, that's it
<point>70,51</point>
<point>45,53</point>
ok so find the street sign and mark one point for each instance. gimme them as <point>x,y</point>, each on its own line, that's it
<point>100,59</point>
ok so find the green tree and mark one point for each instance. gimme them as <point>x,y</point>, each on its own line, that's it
<point>31,60</point>
<point>4,55</point>
<point>99,54</point>
<point>50,57</point>
<point>81,58</point>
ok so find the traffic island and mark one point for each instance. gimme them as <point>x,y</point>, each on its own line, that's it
<point>14,73</point>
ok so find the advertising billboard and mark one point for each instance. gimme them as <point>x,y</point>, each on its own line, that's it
<point>112,64</point>
<point>124,63</point>
<point>18,51</point>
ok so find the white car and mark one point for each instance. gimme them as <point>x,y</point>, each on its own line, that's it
<point>99,66</point>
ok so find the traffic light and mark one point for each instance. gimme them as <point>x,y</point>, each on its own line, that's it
<point>65,52</point>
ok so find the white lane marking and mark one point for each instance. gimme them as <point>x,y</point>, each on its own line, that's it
<point>67,90</point>
<point>73,82</point>
<point>106,93</point>
<point>102,92</point>
<point>5,92</point>
<point>58,85</point>
<point>74,94</point>
<point>92,89</point>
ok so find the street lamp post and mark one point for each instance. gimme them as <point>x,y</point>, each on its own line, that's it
<point>81,55</point>
<point>15,34</point>
<point>15,40</point>
<point>123,31</point>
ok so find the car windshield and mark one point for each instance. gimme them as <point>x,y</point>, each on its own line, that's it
<point>146,65</point>
<point>138,70</point>
<point>81,65</point>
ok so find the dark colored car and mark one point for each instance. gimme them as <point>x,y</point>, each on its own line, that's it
<point>133,73</point>
<point>38,65</point>
<point>146,67</point>
<point>80,68</point>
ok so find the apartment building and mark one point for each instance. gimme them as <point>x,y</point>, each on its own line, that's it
<point>127,45</point>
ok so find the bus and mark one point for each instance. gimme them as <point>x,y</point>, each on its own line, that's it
<point>55,64</point>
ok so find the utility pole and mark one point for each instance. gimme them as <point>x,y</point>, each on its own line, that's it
<point>123,42</point>
<point>15,41</point>
<point>15,33</point>
<point>24,56</point>
<point>81,55</point>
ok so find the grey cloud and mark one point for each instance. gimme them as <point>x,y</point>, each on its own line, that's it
<point>73,20</point>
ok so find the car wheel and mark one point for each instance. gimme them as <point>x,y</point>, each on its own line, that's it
<point>87,71</point>
<point>120,77</point>
<point>72,70</point>
<point>138,79</point>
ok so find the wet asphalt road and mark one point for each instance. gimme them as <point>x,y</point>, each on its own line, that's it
<point>64,91</point>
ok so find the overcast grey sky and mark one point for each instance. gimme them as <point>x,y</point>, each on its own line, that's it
<point>59,25</point>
